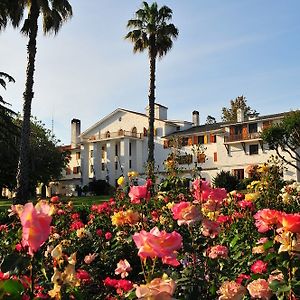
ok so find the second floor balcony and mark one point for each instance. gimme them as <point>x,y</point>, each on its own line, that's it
<point>242,137</point>
<point>115,135</point>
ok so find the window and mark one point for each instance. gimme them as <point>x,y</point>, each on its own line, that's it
<point>130,164</point>
<point>238,173</point>
<point>253,128</point>
<point>76,170</point>
<point>134,131</point>
<point>201,139</point>
<point>238,129</point>
<point>120,132</point>
<point>130,149</point>
<point>91,153</point>
<point>68,171</point>
<point>91,168</point>
<point>212,138</point>
<point>103,152</point>
<point>215,156</point>
<point>116,150</point>
<point>184,141</point>
<point>103,166</point>
<point>107,134</point>
<point>253,149</point>
<point>77,155</point>
<point>116,165</point>
<point>201,157</point>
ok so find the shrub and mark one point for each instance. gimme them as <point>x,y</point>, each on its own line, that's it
<point>100,187</point>
<point>226,180</point>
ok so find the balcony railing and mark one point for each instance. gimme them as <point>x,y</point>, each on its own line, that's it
<point>242,137</point>
<point>113,135</point>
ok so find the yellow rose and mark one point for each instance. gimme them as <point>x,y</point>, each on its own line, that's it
<point>121,180</point>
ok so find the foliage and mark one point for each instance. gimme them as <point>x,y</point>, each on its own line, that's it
<point>53,14</point>
<point>8,140</point>
<point>210,120</point>
<point>100,187</point>
<point>130,245</point>
<point>284,138</point>
<point>46,159</point>
<point>151,31</point>
<point>230,114</point>
<point>225,180</point>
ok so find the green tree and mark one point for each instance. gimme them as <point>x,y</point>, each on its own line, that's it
<point>284,138</point>
<point>152,31</point>
<point>210,120</point>
<point>9,135</point>
<point>230,114</point>
<point>53,14</point>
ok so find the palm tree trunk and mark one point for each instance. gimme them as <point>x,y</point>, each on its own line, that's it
<point>23,165</point>
<point>151,99</point>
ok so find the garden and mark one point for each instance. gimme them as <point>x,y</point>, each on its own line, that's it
<point>169,241</point>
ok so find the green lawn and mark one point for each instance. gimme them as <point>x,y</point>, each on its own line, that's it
<point>88,200</point>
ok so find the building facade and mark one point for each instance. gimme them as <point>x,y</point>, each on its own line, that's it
<point>229,146</point>
<point>118,144</point>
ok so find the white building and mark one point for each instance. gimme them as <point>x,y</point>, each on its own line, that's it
<point>118,143</point>
<point>115,145</point>
<point>230,146</point>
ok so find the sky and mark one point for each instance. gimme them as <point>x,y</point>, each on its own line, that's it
<point>224,49</point>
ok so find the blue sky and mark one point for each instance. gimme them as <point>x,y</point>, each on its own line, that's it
<point>224,49</point>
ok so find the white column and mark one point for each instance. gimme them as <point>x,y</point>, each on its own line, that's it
<point>139,157</point>
<point>85,164</point>
<point>110,163</point>
<point>97,159</point>
<point>124,155</point>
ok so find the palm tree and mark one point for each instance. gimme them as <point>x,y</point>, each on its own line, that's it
<point>53,14</point>
<point>151,31</point>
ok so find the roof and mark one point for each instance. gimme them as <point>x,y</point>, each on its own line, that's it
<point>197,129</point>
<point>259,118</point>
<point>124,110</point>
<point>220,125</point>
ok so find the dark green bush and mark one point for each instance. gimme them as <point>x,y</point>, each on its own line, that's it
<point>226,180</point>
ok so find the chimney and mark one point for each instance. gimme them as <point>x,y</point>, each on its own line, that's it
<point>240,117</point>
<point>195,118</point>
<point>75,132</point>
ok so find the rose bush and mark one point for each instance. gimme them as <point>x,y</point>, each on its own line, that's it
<point>184,242</point>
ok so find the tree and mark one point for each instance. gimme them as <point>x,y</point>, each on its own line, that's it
<point>210,120</point>
<point>9,135</point>
<point>230,114</point>
<point>152,32</point>
<point>53,13</point>
<point>285,136</point>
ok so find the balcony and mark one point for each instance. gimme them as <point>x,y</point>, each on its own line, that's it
<point>242,137</point>
<point>115,135</point>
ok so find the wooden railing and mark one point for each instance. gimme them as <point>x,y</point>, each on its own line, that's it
<point>241,137</point>
<point>112,135</point>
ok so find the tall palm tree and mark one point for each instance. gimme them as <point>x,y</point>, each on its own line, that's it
<point>53,14</point>
<point>152,31</point>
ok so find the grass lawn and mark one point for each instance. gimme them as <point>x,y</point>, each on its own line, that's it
<point>88,200</point>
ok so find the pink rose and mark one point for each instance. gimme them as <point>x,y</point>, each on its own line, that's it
<point>54,199</point>
<point>137,193</point>
<point>108,235</point>
<point>259,267</point>
<point>265,219</point>
<point>218,251</point>
<point>231,290</point>
<point>157,289</point>
<point>158,244</point>
<point>210,228</point>
<point>123,267</point>
<point>186,213</point>
<point>35,225</point>
<point>259,289</point>
<point>83,276</point>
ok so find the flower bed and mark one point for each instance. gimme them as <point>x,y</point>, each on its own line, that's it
<point>179,243</point>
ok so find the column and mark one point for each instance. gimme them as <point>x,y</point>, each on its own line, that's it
<point>110,161</point>
<point>124,155</point>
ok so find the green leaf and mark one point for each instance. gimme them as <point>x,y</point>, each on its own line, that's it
<point>13,263</point>
<point>13,287</point>
<point>234,241</point>
<point>268,245</point>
